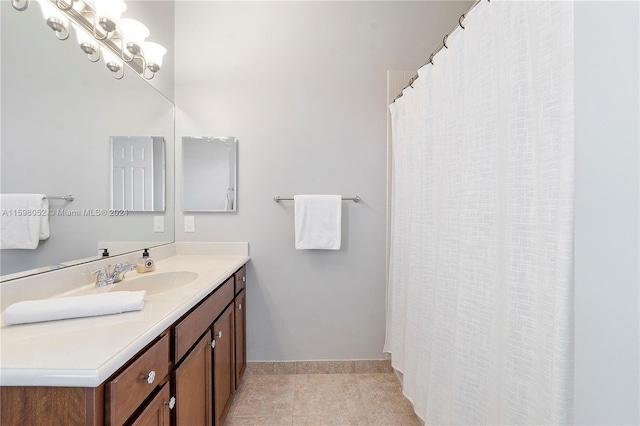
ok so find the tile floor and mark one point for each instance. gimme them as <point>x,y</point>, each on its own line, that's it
<point>320,399</point>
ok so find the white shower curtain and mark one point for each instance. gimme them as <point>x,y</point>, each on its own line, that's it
<point>480,305</point>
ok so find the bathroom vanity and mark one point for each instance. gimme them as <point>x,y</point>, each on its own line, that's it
<point>177,361</point>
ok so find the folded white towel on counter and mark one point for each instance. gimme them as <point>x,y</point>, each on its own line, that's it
<point>24,221</point>
<point>318,221</point>
<point>73,307</point>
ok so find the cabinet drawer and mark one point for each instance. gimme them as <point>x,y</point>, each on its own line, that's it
<point>129,389</point>
<point>197,322</point>
<point>241,279</point>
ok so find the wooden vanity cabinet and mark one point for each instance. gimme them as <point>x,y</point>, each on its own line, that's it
<point>51,405</point>
<point>198,360</point>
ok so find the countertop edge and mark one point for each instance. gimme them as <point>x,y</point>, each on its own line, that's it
<point>91,378</point>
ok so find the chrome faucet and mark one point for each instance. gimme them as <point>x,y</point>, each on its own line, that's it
<point>120,269</point>
<point>104,276</point>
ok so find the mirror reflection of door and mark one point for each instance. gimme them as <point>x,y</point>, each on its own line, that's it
<point>209,173</point>
<point>137,173</point>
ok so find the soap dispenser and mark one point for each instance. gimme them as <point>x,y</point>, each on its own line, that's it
<point>145,263</point>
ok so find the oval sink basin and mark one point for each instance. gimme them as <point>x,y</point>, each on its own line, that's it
<point>156,283</point>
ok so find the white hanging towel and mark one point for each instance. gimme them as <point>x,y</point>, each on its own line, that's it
<point>24,220</point>
<point>318,221</point>
<point>92,305</point>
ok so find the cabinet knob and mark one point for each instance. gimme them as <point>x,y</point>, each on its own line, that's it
<point>219,334</point>
<point>171,403</point>
<point>239,306</point>
<point>213,344</point>
<point>149,377</point>
<point>244,279</point>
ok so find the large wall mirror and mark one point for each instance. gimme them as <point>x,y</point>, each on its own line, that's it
<point>59,111</point>
<point>209,173</point>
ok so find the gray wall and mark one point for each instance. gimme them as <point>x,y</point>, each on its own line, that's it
<point>607,71</point>
<point>58,112</point>
<point>303,87</point>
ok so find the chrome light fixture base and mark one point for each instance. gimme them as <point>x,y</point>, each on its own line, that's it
<point>115,68</point>
<point>133,48</point>
<point>154,68</point>
<point>93,54</point>
<point>107,24</point>
<point>20,5</point>
<point>62,32</point>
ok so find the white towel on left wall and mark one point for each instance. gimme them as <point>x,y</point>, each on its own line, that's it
<point>24,220</point>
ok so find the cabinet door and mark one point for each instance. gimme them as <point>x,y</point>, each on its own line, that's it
<point>223,369</point>
<point>192,381</point>
<point>157,411</point>
<point>240,318</point>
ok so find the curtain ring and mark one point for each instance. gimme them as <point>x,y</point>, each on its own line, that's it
<point>460,20</point>
<point>411,82</point>
<point>431,59</point>
<point>444,41</point>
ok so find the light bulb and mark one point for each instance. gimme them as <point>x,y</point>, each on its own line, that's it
<point>153,54</point>
<point>108,13</point>
<point>134,32</point>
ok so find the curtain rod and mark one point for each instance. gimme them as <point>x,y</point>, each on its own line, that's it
<point>440,46</point>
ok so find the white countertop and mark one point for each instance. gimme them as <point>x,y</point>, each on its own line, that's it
<point>84,352</point>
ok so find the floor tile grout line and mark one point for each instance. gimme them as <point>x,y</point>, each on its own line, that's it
<point>293,400</point>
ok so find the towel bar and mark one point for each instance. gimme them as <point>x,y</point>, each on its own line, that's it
<point>64,197</point>
<point>355,199</point>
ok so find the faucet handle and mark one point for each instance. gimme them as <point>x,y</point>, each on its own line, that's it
<point>102,278</point>
<point>100,272</point>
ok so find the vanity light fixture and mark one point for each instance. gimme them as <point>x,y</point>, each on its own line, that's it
<point>101,33</point>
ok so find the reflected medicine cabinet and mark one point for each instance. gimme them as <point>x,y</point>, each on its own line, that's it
<point>209,173</point>
<point>137,174</point>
